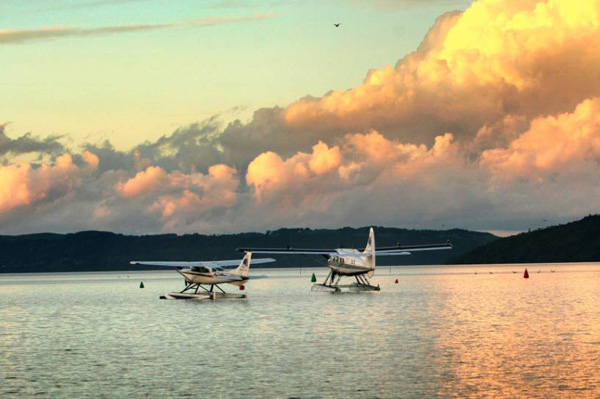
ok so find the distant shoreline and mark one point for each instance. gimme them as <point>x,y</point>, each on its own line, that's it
<point>380,269</point>
<point>105,251</point>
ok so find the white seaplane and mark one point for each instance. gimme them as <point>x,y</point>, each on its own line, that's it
<point>350,262</point>
<point>205,276</point>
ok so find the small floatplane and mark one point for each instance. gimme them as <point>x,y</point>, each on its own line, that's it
<point>201,278</point>
<point>350,262</point>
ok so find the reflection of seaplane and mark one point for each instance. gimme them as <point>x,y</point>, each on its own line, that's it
<point>350,262</point>
<point>197,275</point>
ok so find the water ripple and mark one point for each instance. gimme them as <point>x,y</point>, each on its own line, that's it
<point>439,332</point>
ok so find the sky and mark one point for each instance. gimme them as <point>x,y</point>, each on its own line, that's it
<point>135,70</point>
<point>151,116</point>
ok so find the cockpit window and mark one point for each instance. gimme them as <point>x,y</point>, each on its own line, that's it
<point>201,269</point>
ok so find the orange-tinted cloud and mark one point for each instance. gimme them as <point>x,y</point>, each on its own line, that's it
<point>269,172</point>
<point>473,68</point>
<point>369,164</point>
<point>90,159</point>
<point>22,184</point>
<point>142,183</point>
<point>491,123</point>
<point>179,195</point>
<point>200,193</point>
<point>552,145</point>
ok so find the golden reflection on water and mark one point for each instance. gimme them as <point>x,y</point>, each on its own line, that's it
<point>510,337</point>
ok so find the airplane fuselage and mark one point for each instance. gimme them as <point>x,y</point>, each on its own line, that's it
<point>352,263</point>
<point>211,278</point>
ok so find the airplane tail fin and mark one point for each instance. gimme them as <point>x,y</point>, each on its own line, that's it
<point>244,267</point>
<point>370,252</point>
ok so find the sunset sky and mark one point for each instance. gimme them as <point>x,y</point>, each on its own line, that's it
<point>150,116</point>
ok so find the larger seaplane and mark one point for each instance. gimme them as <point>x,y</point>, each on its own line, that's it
<point>350,262</point>
<point>201,278</point>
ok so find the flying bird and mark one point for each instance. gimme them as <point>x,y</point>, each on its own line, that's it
<point>337,25</point>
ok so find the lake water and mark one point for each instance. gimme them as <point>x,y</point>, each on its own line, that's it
<point>440,332</point>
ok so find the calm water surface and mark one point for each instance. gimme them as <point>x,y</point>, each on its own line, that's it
<point>440,332</point>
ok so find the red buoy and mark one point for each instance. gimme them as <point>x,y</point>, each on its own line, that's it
<point>396,282</point>
<point>526,274</point>
<point>242,288</point>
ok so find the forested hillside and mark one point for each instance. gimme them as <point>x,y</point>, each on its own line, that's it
<point>95,251</point>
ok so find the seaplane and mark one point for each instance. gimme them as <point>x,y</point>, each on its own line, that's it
<point>202,277</point>
<point>350,262</point>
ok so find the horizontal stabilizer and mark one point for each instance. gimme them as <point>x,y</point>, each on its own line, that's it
<point>261,277</point>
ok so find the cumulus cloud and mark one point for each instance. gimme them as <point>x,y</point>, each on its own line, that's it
<point>142,183</point>
<point>381,181</point>
<point>492,123</point>
<point>269,173</point>
<point>24,185</point>
<point>553,145</point>
<point>90,159</point>
<point>366,173</point>
<point>179,198</point>
<point>518,57</point>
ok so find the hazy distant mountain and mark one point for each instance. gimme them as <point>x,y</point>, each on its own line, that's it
<point>572,242</point>
<point>95,250</point>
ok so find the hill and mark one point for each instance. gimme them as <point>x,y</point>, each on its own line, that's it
<point>572,242</point>
<point>104,251</point>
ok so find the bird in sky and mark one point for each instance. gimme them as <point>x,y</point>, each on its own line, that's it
<point>337,25</point>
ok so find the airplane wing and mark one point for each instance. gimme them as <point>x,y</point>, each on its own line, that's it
<point>289,251</point>
<point>166,264</point>
<point>407,249</point>
<point>382,251</point>
<point>377,253</point>
<point>236,262</point>
<point>215,263</point>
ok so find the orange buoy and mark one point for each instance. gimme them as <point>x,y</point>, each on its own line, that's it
<point>242,288</point>
<point>526,274</point>
<point>396,282</point>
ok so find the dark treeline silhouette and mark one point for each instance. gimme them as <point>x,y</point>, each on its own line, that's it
<point>572,242</point>
<point>104,251</point>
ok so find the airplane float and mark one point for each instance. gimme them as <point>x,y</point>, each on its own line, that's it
<point>350,262</point>
<point>201,278</point>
